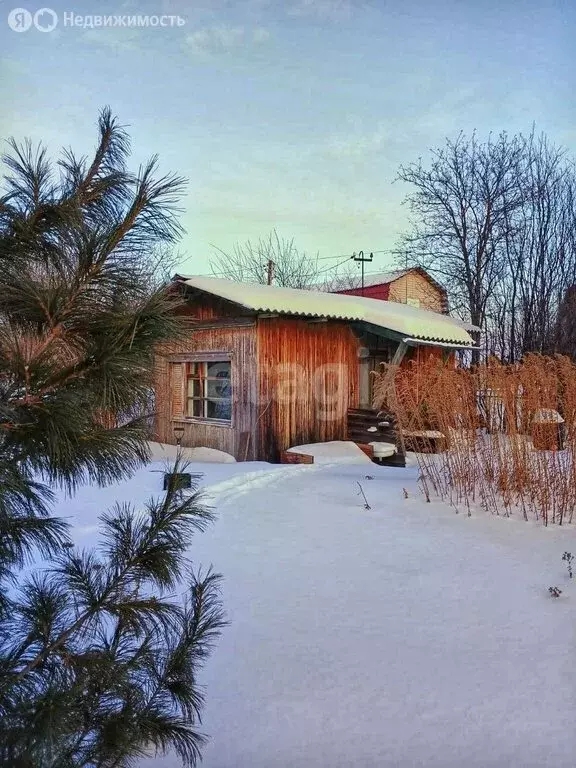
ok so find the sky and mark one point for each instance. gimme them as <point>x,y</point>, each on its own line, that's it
<point>292,114</point>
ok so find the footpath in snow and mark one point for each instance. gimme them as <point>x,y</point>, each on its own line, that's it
<point>404,635</point>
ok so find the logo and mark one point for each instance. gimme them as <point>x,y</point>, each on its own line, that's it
<point>20,20</point>
<point>45,20</point>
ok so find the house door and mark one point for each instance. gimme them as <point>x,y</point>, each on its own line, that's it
<point>367,366</point>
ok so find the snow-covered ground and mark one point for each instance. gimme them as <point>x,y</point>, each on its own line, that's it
<point>404,635</point>
<point>340,451</point>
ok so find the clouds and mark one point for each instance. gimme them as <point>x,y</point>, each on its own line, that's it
<point>223,40</point>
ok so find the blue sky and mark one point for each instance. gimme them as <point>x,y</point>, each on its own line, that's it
<point>293,114</point>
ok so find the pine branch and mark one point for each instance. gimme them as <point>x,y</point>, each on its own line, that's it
<point>97,660</point>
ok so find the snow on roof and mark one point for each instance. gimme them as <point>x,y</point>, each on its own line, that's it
<point>401,318</point>
<point>464,324</point>
<point>384,277</point>
<point>436,343</point>
<point>344,283</point>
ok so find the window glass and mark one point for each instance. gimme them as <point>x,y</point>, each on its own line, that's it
<point>209,390</point>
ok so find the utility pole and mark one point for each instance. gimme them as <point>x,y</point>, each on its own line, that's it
<point>362,260</point>
<point>270,271</point>
<point>406,281</point>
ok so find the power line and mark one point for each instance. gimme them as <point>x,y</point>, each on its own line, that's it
<point>344,256</point>
<point>337,256</point>
<point>361,259</point>
<point>378,271</point>
<point>351,255</point>
<point>334,266</point>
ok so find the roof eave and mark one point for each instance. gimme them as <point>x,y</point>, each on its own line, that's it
<point>399,335</point>
<point>414,341</point>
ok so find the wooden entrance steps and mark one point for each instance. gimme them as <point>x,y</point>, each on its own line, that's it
<point>366,425</point>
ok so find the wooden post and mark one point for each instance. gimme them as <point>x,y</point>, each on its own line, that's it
<point>390,388</point>
<point>243,445</point>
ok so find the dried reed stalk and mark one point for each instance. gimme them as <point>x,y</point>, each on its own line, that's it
<point>509,433</point>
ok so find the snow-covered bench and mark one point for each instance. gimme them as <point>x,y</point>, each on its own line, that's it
<point>424,440</point>
<point>339,452</point>
<point>381,450</point>
<point>330,452</point>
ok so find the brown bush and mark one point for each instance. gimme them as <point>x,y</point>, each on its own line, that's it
<point>504,447</point>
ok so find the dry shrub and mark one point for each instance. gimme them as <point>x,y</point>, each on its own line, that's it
<point>501,446</point>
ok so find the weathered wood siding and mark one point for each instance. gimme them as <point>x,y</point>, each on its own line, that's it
<point>423,353</point>
<point>379,291</point>
<point>233,339</point>
<point>417,288</point>
<point>293,380</point>
<point>308,378</point>
<point>201,307</point>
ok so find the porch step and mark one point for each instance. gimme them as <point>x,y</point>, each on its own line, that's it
<point>364,426</point>
<point>362,436</point>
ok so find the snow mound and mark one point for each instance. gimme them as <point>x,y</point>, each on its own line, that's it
<point>334,451</point>
<point>430,434</point>
<point>200,455</point>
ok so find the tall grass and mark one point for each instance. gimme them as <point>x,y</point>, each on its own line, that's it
<point>503,447</point>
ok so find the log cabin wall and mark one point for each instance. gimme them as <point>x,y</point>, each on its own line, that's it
<point>293,380</point>
<point>201,308</point>
<point>417,289</point>
<point>425,352</point>
<point>308,378</point>
<point>235,338</point>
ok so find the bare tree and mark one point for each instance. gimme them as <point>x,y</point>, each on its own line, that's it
<point>339,277</point>
<point>160,264</point>
<point>539,257</point>
<point>566,324</point>
<point>496,221</point>
<point>546,262</point>
<point>272,259</point>
<point>460,207</point>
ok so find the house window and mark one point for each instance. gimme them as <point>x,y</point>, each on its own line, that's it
<point>209,390</point>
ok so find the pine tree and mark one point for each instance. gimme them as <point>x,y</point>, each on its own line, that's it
<point>98,663</point>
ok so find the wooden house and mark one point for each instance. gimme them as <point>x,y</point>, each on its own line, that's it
<point>413,286</point>
<point>264,368</point>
